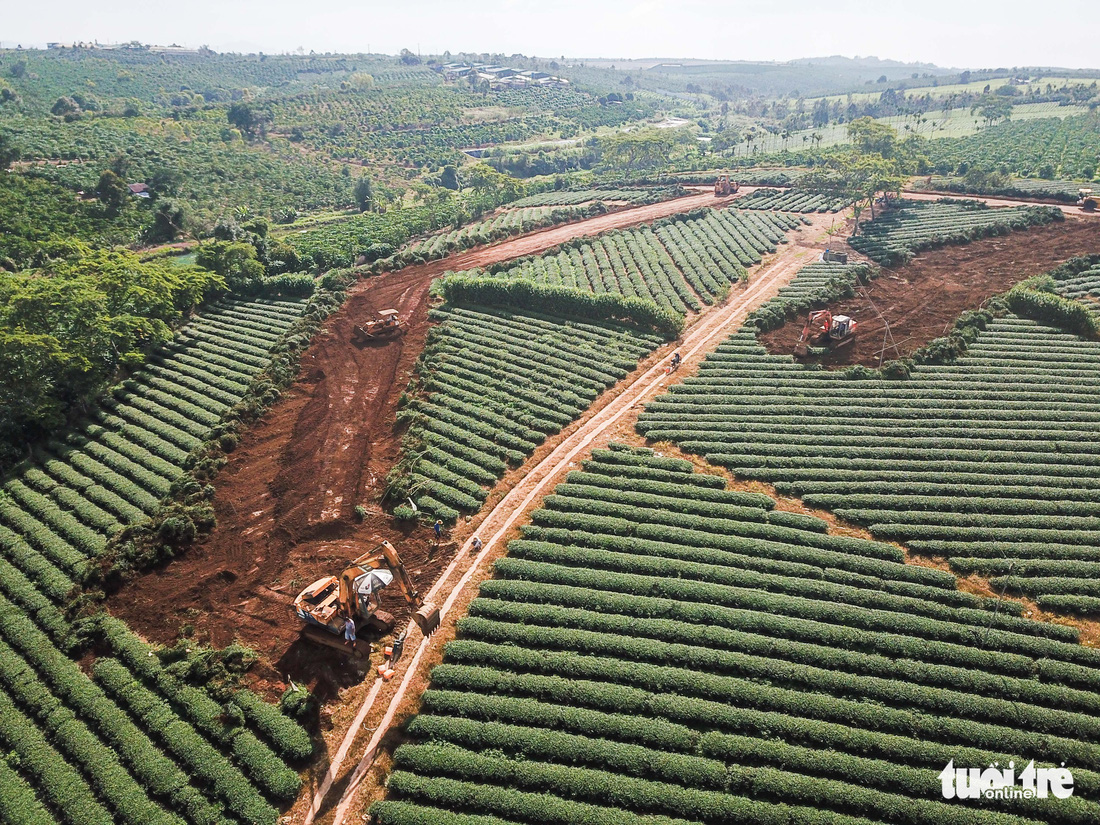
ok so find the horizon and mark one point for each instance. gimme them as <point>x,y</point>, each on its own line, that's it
<point>982,34</point>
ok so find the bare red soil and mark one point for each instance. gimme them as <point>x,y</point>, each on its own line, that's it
<point>286,500</point>
<point>922,299</point>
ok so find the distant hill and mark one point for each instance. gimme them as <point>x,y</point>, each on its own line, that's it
<point>871,63</point>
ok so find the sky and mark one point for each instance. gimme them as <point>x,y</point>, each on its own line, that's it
<point>950,33</point>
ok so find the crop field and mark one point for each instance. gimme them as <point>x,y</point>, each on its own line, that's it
<point>128,741</point>
<point>1053,148</point>
<point>816,284</point>
<point>893,237</point>
<point>679,263</point>
<point>218,170</point>
<point>1084,286</point>
<point>569,198</point>
<point>1058,190</point>
<point>956,123</point>
<point>791,200</point>
<point>422,124</point>
<point>655,642</point>
<point>975,87</point>
<point>509,222</point>
<point>985,460</point>
<point>657,648</point>
<point>495,384</point>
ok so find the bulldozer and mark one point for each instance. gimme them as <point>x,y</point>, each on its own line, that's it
<point>724,187</point>
<point>386,325</point>
<point>1086,200</point>
<point>825,330</point>
<point>326,604</point>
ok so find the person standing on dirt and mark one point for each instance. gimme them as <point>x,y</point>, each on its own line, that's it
<point>349,633</point>
<point>676,360</point>
<point>438,528</point>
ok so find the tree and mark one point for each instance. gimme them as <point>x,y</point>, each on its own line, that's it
<point>65,107</point>
<point>491,184</point>
<point>361,81</point>
<point>67,327</point>
<point>859,173</point>
<point>165,181</point>
<point>364,194</point>
<point>8,151</point>
<point>169,221</point>
<point>234,261</point>
<point>248,119</point>
<point>448,178</point>
<point>872,137</point>
<point>409,59</point>
<point>640,149</point>
<point>112,192</point>
<point>993,108</point>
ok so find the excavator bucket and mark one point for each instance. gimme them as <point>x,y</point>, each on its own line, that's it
<point>427,619</point>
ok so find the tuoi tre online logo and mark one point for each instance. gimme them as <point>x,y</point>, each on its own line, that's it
<point>995,782</point>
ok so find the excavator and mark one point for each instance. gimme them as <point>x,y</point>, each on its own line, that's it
<point>823,329</point>
<point>386,325</point>
<point>326,604</point>
<point>724,187</point>
<point>1086,200</point>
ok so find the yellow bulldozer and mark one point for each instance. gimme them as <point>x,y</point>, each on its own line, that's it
<point>330,601</point>
<point>386,325</point>
<point>724,187</point>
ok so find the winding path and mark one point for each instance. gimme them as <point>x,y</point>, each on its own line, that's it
<point>619,409</point>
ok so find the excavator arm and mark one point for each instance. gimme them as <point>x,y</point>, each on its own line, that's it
<point>385,556</point>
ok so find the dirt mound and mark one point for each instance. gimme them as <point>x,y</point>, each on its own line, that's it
<point>286,500</point>
<point>922,299</point>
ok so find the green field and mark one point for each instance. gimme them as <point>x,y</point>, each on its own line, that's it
<point>659,649</point>
<point>124,739</point>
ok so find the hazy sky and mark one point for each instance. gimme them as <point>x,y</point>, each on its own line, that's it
<point>962,33</point>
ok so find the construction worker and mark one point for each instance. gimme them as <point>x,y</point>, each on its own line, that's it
<point>438,528</point>
<point>475,546</point>
<point>676,360</point>
<point>349,633</point>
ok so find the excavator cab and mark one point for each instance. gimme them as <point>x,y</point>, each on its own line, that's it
<point>327,603</point>
<point>841,327</point>
<point>1086,200</point>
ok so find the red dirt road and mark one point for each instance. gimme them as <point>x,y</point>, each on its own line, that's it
<point>285,501</point>
<point>1068,208</point>
<point>554,235</point>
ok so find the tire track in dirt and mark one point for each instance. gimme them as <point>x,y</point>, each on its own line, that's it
<point>618,409</point>
<point>285,502</point>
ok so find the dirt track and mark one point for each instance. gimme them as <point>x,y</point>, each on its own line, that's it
<point>1068,208</point>
<point>922,299</point>
<point>285,502</point>
<point>612,415</point>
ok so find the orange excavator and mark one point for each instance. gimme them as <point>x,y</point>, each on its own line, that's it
<point>386,325</point>
<point>823,329</point>
<point>326,604</point>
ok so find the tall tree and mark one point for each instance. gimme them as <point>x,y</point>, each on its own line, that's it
<point>112,192</point>
<point>364,194</point>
